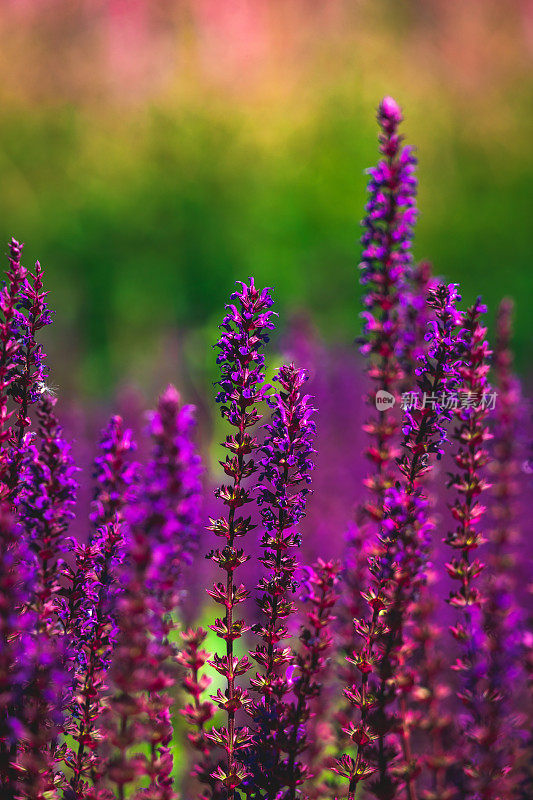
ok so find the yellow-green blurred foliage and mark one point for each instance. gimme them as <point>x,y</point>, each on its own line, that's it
<point>153,151</point>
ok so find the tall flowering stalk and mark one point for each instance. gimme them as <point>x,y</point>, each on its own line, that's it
<point>198,711</point>
<point>471,434</point>
<point>114,473</point>
<point>10,345</point>
<point>16,624</point>
<point>244,333</point>
<point>90,597</point>
<point>29,369</point>
<point>285,466</point>
<point>395,566</point>
<point>501,618</point>
<point>33,678</point>
<point>414,315</point>
<point>310,662</point>
<point>386,259</point>
<point>47,496</point>
<point>162,531</point>
<point>386,265</point>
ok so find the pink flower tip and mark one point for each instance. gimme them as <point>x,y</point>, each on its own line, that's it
<point>389,111</point>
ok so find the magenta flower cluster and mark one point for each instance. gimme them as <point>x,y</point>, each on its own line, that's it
<point>401,670</point>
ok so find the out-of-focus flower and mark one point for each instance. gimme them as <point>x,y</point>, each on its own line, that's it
<point>471,432</point>
<point>162,530</point>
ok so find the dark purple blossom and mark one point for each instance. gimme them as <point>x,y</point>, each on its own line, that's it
<point>471,433</point>
<point>395,566</point>
<point>88,601</point>
<point>47,495</point>
<point>244,333</point>
<point>29,368</point>
<point>10,345</point>
<point>385,262</point>
<point>162,533</point>
<point>285,474</point>
<point>198,711</point>
<point>114,473</point>
<point>305,677</point>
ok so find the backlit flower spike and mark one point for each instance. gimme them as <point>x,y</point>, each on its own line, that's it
<point>17,622</point>
<point>471,434</point>
<point>30,372</point>
<point>46,501</point>
<point>162,532</point>
<point>10,346</point>
<point>245,331</point>
<point>414,314</point>
<point>90,594</point>
<point>198,711</point>
<point>33,675</point>
<point>502,619</point>
<point>385,267</point>
<point>114,473</point>
<point>286,466</point>
<point>395,567</point>
<point>319,596</point>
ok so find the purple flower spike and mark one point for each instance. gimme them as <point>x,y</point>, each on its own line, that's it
<point>47,497</point>
<point>385,268</point>
<point>245,331</point>
<point>91,597</point>
<point>310,665</point>
<point>29,369</point>
<point>502,619</point>
<point>10,346</point>
<point>33,678</point>
<point>439,378</point>
<point>114,473</point>
<point>471,434</point>
<point>162,532</point>
<point>286,466</point>
<point>396,569</point>
<point>387,238</point>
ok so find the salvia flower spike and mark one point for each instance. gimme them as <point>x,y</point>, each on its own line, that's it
<point>10,346</point>
<point>319,596</point>
<point>471,433</point>
<point>286,465</point>
<point>46,500</point>
<point>162,527</point>
<point>90,655</point>
<point>245,330</point>
<point>395,564</point>
<point>386,259</point>
<point>91,596</point>
<point>390,335</point>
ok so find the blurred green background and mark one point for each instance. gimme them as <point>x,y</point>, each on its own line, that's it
<point>153,151</point>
